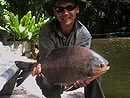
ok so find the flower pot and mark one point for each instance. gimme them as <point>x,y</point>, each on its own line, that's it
<point>24,46</point>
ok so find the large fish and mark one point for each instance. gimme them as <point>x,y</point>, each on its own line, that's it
<point>64,65</point>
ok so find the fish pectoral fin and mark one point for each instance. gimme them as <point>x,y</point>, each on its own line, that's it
<point>44,85</point>
<point>48,89</point>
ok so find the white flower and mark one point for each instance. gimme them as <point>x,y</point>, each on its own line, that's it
<point>21,28</point>
<point>29,35</point>
<point>6,17</point>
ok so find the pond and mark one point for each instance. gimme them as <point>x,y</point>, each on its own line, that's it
<point>116,82</point>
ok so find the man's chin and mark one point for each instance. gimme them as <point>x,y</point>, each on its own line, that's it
<point>66,22</point>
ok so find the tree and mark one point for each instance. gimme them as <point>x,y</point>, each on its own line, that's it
<point>105,16</point>
<point>3,6</point>
<point>21,7</point>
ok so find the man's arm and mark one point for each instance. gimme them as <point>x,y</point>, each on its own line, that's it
<point>83,37</point>
<point>45,43</point>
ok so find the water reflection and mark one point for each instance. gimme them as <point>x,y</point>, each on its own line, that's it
<point>117,52</point>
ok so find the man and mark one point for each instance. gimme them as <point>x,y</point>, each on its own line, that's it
<point>65,30</point>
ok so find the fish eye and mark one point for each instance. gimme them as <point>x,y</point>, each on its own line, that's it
<point>101,65</point>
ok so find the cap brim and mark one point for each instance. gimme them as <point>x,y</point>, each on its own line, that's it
<point>48,6</point>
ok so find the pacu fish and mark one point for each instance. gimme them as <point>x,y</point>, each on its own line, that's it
<point>64,65</point>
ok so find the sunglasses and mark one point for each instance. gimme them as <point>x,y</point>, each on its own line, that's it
<point>60,9</point>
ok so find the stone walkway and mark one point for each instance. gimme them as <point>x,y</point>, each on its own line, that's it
<point>29,89</point>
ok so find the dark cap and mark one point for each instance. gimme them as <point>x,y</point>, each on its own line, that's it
<point>48,6</point>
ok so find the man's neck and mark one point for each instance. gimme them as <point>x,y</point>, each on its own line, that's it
<point>66,29</point>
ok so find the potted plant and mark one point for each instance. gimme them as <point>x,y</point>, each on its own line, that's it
<point>24,31</point>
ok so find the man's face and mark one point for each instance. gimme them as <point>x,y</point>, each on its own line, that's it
<point>65,12</point>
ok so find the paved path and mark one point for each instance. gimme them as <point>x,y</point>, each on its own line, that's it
<point>29,89</point>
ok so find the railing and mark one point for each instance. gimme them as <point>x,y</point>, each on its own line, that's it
<point>112,34</point>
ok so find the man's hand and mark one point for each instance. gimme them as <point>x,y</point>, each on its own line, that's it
<point>37,70</point>
<point>79,83</point>
<point>84,83</point>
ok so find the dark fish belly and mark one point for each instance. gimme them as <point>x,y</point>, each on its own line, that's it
<point>64,76</point>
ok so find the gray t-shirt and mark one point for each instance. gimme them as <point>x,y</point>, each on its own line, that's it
<point>50,37</point>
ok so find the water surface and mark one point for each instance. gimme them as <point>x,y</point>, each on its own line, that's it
<point>116,82</point>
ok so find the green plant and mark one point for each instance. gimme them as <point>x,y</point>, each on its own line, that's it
<point>24,29</point>
<point>3,6</point>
